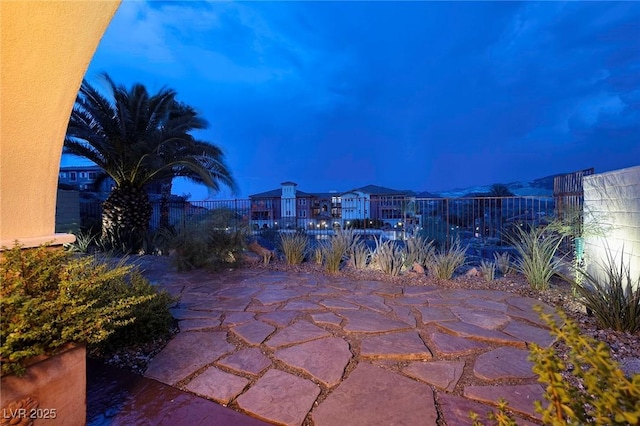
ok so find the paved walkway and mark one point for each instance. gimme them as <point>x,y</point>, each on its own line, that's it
<point>295,348</point>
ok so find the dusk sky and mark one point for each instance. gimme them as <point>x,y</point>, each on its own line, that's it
<point>426,96</point>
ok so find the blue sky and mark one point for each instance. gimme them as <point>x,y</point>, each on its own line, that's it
<point>416,95</point>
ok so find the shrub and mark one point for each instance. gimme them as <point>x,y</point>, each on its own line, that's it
<point>294,246</point>
<point>502,262</point>
<point>603,395</point>
<point>418,250</point>
<point>488,270</point>
<point>536,249</point>
<point>390,257</point>
<point>611,296</point>
<point>152,317</point>
<point>360,255</point>
<point>443,265</point>
<point>336,249</point>
<point>199,245</point>
<point>50,298</point>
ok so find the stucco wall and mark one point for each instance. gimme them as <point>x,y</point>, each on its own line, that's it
<point>613,199</point>
<point>46,49</point>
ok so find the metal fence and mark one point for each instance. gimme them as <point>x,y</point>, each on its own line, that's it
<point>481,223</point>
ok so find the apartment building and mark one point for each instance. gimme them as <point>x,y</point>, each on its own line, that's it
<point>290,208</point>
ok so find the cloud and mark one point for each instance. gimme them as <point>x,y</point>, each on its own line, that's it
<point>426,94</point>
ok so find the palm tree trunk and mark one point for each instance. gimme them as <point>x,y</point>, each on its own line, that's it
<point>125,218</point>
<point>165,189</point>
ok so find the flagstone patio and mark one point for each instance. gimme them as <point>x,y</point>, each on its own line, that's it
<point>298,348</point>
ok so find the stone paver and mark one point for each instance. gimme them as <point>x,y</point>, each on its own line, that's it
<point>324,359</point>
<point>186,354</point>
<point>403,346</point>
<point>301,331</point>
<point>370,322</point>
<point>528,333</point>
<point>247,361</point>
<point>503,363</point>
<point>447,344</point>
<point>464,329</point>
<point>280,397</point>
<point>519,397</point>
<point>456,409</point>
<point>253,332</point>
<point>443,374</point>
<point>237,318</point>
<point>374,396</point>
<point>278,318</point>
<point>282,317</point>
<point>198,324</point>
<point>326,318</point>
<point>486,319</point>
<point>436,314</point>
<point>217,385</point>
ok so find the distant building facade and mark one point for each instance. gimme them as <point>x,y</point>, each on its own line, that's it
<point>83,178</point>
<point>289,208</point>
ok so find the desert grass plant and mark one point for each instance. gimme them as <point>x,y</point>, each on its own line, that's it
<point>360,255</point>
<point>337,249</point>
<point>83,242</point>
<point>50,298</point>
<point>488,270</point>
<point>601,394</point>
<point>536,249</point>
<point>390,257</point>
<point>444,264</point>
<point>318,252</point>
<point>612,295</point>
<point>503,263</point>
<point>418,250</point>
<point>294,247</point>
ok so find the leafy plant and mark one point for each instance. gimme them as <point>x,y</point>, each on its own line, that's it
<point>49,298</point>
<point>294,246</point>
<point>603,396</point>
<point>488,270</point>
<point>536,249</point>
<point>503,262</point>
<point>443,265</point>
<point>360,255</point>
<point>390,257</point>
<point>612,295</point>
<point>198,245</point>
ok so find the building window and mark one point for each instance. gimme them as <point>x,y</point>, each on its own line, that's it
<point>63,175</point>
<point>92,175</point>
<point>73,176</point>
<point>302,201</point>
<point>83,175</point>
<point>303,213</point>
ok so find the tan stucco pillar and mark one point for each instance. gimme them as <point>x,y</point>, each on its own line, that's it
<point>45,49</point>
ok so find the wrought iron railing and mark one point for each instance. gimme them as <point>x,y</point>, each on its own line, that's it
<point>482,223</point>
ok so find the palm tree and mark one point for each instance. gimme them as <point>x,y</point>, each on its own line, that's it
<point>137,139</point>
<point>499,191</point>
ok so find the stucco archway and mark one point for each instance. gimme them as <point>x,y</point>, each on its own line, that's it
<point>46,48</point>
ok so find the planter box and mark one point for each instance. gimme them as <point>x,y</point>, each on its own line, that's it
<point>51,392</point>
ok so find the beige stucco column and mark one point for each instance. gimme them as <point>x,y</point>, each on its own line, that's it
<point>46,47</point>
